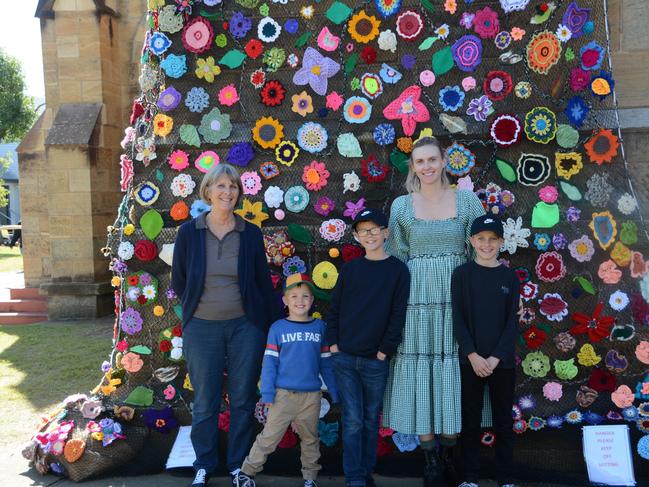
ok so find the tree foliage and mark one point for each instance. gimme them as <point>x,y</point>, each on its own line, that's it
<point>5,162</point>
<point>17,112</point>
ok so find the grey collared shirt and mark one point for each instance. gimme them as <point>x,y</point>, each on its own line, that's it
<point>221,298</point>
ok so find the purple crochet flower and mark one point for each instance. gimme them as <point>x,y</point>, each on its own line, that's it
<point>145,279</point>
<point>352,209</point>
<point>291,26</point>
<point>240,25</point>
<point>171,294</point>
<point>162,420</point>
<point>131,321</point>
<point>324,206</point>
<point>408,61</point>
<point>316,70</point>
<point>480,108</point>
<point>169,99</point>
<point>240,154</point>
<point>119,266</point>
<point>559,241</point>
<point>573,214</point>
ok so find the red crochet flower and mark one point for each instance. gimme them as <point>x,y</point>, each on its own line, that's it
<point>529,290</point>
<point>165,346</point>
<point>497,85</point>
<point>146,250</point>
<point>550,267</point>
<point>596,326</point>
<point>383,447</point>
<point>602,381</point>
<point>272,94</point>
<point>534,337</point>
<point>579,79</point>
<point>224,421</point>
<point>485,23</point>
<point>254,48</point>
<point>374,170</point>
<point>133,280</point>
<point>368,54</point>
<point>289,440</point>
<point>351,252</point>
<point>177,331</point>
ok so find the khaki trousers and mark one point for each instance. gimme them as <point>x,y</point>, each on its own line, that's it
<point>300,408</point>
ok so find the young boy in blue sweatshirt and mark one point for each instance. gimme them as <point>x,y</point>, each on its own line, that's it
<point>296,354</point>
<point>365,321</point>
<point>485,297</point>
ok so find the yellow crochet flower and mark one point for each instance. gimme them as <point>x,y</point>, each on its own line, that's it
<point>162,125</point>
<point>187,384</point>
<point>206,69</point>
<point>325,275</point>
<point>363,28</point>
<point>587,356</point>
<point>268,132</point>
<point>252,212</point>
<point>621,254</point>
<point>568,164</point>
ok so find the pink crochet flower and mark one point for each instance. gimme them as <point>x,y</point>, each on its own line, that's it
<point>409,109</point>
<point>579,79</point>
<point>228,95</point>
<point>486,23</point>
<point>548,194</point>
<point>315,175</point>
<point>553,391</point>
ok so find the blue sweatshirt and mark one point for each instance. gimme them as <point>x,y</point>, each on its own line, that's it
<point>296,354</point>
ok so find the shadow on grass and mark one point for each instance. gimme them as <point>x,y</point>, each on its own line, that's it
<point>43,363</point>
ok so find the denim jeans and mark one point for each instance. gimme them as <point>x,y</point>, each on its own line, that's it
<point>361,383</point>
<point>210,347</point>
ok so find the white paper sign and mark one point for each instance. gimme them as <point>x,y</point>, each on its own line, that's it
<point>182,453</point>
<point>607,451</point>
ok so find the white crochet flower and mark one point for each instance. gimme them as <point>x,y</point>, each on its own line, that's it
<point>125,250</point>
<point>351,182</point>
<point>514,235</point>
<point>618,300</point>
<point>388,41</point>
<point>176,353</point>
<point>177,342</point>
<point>627,204</point>
<point>273,196</point>
<point>563,33</point>
<point>182,185</point>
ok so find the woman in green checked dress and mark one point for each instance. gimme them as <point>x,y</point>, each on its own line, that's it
<point>429,231</point>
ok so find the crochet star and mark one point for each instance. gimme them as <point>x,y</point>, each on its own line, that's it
<point>408,108</point>
<point>315,71</point>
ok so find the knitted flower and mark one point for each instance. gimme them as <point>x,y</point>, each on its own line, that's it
<point>485,23</point>
<point>315,176</point>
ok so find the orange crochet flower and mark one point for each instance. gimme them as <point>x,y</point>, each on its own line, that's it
<point>179,211</point>
<point>602,147</point>
<point>73,450</point>
<point>131,362</point>
<point>543,52</point>
<point>609,273</point>
<point>404,144</point>
<point>162,125</point>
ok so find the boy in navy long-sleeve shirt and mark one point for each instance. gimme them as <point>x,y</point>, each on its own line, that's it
<point>485,297</point>
<point>296,354</point>
<point>364,325</point>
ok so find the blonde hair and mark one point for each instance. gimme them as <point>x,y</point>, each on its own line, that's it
<point>214,174</point>
<point>413,185</point>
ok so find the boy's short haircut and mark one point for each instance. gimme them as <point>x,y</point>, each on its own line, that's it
<point>295,280</point>
<point>487,223</point>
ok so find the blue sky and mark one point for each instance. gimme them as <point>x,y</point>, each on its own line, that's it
<point>20,36</point>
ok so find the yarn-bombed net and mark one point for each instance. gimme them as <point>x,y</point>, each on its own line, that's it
<point>318,103</point>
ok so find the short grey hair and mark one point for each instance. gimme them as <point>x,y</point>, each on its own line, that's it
<point>214,174</point>
<point>413,185</point>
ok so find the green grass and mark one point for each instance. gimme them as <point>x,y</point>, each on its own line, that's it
<point>10,259</point>
<point>42,364</point>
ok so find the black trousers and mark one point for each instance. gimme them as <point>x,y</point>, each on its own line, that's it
<point>501,391</point>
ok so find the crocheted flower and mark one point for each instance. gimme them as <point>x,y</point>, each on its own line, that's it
<point>293,265</point>
<point>178,160</point>
<point>373,170</point>
<point>251,182</point>
<point>506,130</point>
<point>459,160</point>
<point>315,175</point>
<point>316,71</point>
<point>602,147</point>
<point>497,85</point>
<point>565,369</point>
<point>451,98</point>
<point>574,417</point>
<point>182,185</point>
<point>272,94</point>
<point>363,28</point>
<point>268,132</point>
<point>169,99</point>
<point>485,23</point>
<point>540,125</point>
<point>268,30</point>
<point>591,56</point>
<point>162,125</point>
<point>353,209</point>
<point>240,154</point>
<point>147,193</point>
<point>480,108</point>
<point>536,364</point>
<point>207,69</point>
<point>197,35</point>
<point>575,18</point>
<point>252,212</point>
<point>596,326</point>
<point>568,164</point>
<point>302,104</point>
<point>274,196</point>
<point>543,51</point>
<point>579,79</point>
<point>131,321</point>
<point>312,137</point>
<point>534,337</point>
<point>553,307</point>
<point>550,267</point>
<point>467,53</point>
<point>228,95</point>
<point>258,78</point>
<point>577,111</point>
<point>325,275</point>
<point>332,230</point>
<point>409,25</point>
<point>514,235</point>
<point>542,241</point>
<point>582,249</point>
<point>215,126</point>
<point>146,150</point>
<point>533,169</point>
<point>296,198</point>
<point>408,108</point>
<point>324,206</point>
<point>384,134</point>
<point>174,66</point>
<point>239,25</point>
<point>602,381</point>
<point>286,152</point>
<point>197,100</point>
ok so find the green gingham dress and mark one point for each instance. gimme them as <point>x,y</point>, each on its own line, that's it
<point>423,390</point>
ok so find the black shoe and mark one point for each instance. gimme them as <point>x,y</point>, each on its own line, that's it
<point>369,481</point>
<point>201,478</point>
<point>433,471</point>
<point>448,466</point>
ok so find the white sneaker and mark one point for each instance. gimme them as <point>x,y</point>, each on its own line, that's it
<point>242,480</point>
<point>201,478</point>
<point>468,484</point>
<point>310,483</point>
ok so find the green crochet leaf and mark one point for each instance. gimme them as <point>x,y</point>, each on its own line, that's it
<point>151,224</point>
<point>570,190</point>
<point>178,309</point>
<point>189,135</point>
<point>443,61</point>
<point>321,295</point>
<point>399,160</point>
<point>140,349</point>
<point>350,64</point>
<point>299,234</point>
<point>303,39</point>
<point>233,58</point>
<point>585,284</point>
<point>140,396</point>
<point>428,6</point>
<point>506,170</point>
<point>427,43</point>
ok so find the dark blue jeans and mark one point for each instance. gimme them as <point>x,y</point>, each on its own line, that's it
<point>361,383</point>
<point>210,347</point>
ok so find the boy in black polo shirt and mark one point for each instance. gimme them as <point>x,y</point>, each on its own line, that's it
<point>364,324</point>
<point>485,298</point>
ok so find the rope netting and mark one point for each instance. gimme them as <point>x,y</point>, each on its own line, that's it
<point>522,94</point>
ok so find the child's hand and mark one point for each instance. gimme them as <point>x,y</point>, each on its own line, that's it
<point>334,348</point>
<point>480,365</point>
<point>493,362</point>
<point>381,356</point>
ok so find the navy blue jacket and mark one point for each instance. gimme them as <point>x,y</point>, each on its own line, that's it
<point>190,262</point>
